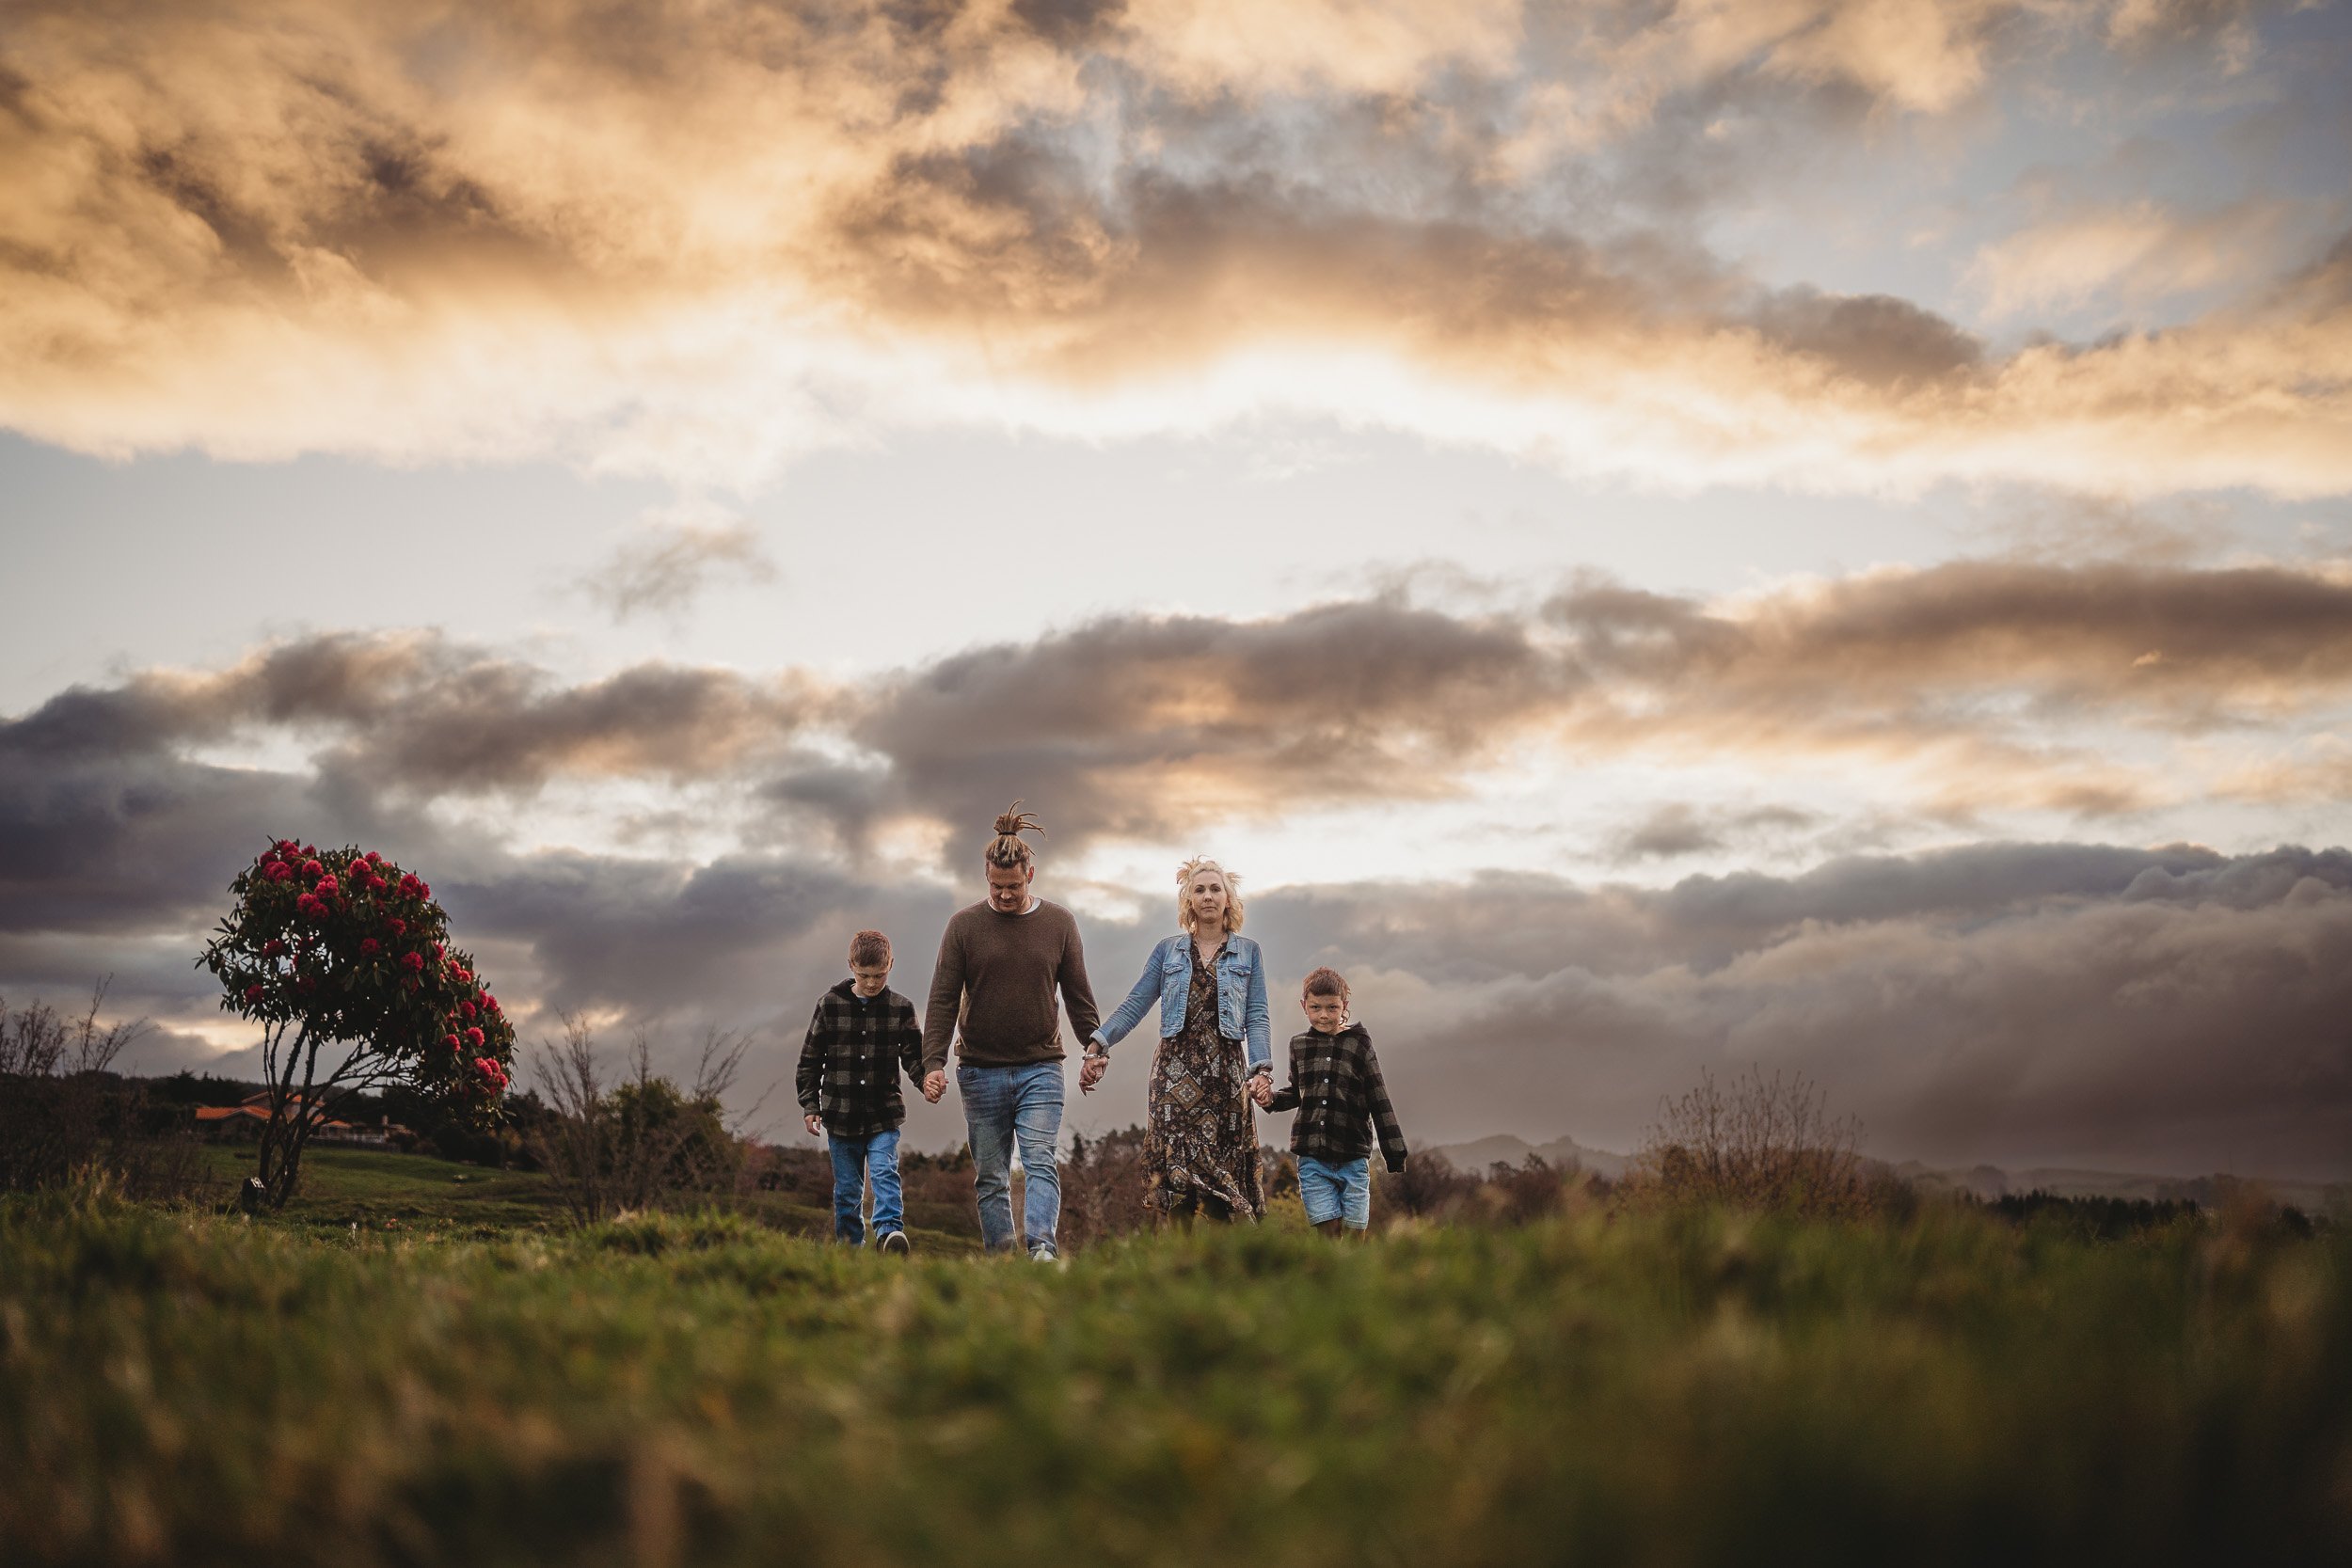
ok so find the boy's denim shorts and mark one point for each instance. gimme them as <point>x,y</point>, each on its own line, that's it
<point>1340,1192</point>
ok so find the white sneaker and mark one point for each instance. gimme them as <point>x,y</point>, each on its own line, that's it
<point>1044,1255</point>
<point>895,1244</point>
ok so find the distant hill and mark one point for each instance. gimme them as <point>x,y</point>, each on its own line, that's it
<point>1506,1149</point>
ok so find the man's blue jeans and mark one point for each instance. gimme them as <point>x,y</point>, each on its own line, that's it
<point>1002,1106</point>
<point>853,1161</point>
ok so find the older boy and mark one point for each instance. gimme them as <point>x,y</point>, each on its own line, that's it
<point>1337,1090</point>
<point>863,1035</point>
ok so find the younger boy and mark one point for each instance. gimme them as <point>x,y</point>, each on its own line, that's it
<point>1336,1088</point>
<point>863,1036</point>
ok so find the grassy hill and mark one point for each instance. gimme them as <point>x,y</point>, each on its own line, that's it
<point>1667,1390</point>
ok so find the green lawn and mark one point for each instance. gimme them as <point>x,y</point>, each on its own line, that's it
<point>378,1191</point>
<point>1654,1390</point>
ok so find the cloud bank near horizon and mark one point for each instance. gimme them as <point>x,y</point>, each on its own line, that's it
<point>698,241</point>
<point>667,842</point>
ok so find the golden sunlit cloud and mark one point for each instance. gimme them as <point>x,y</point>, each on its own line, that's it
<point>700,241</point>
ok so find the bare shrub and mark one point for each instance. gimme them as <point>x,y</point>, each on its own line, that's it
<point>1427,1188</point>
<point>1761,1143</point>
<point>1527,1191</point>
<point>66,1116</point>
<point>642,1143</point>
<point>1103,1184</point>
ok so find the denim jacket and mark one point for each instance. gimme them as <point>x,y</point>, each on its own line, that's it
<point>1240,1006</point>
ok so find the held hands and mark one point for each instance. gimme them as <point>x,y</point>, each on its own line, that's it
<point>1090,1071</point>
<point>934,1084</point>
<point>1261,1089</point>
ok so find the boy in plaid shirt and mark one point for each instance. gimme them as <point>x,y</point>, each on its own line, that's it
<point>863,1036</point>
<point>1336,1090</point>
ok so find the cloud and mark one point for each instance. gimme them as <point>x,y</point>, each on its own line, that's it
<point>702,242</point>
<point>1677,827</point>
<point>2133,253</point>
<point>671,562</point>
<point>2172,1010</point>
<point>1968,687</point>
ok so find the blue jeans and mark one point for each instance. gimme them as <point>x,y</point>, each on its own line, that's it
<point>853,1161</point>
<point>1340,1191</point>
<point>1002,1106</point>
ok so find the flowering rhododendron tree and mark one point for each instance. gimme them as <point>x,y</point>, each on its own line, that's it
<point>341,953</point>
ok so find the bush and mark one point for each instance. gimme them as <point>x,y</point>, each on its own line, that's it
<point>66,1118</point>
<point>1764,1143</point>
<point>642,1142</point>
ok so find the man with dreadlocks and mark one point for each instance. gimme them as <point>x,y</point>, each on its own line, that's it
<point>992,990</point>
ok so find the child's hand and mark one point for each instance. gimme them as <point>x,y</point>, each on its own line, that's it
<point>816,1124</point>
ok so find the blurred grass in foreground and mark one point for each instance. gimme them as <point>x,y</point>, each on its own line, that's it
<point>1665,1389</point>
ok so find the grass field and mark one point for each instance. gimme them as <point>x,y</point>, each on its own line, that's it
<point>1662,1389</point>
<point>380,1192</point>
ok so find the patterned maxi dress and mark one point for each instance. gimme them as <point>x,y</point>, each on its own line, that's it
<point>1201,1145</point>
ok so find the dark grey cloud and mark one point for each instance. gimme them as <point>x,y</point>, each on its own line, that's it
<point>2174,1011</point>
<point>2168,1009</point>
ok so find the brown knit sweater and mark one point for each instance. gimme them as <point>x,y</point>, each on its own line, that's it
<point>994,982</point>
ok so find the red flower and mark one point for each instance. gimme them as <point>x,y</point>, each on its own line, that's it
<point>273,948</point>
<point>377,884</point>
<point>463,976</point>
<point>370,947</point>
<point>398,927</point>
<point>278,871</point>
<point>312,868</point>
<point>286,845</point>
<point>449,1041</point>
<point>490,1002</point>
<point>375,858</point>
<point>464,1009</point>
<point>491,1073</point>
<point>413,962</point>
<point>408,886</point>
<point>254,993</point>
<point>328,885</point>
<point>474,1038</point>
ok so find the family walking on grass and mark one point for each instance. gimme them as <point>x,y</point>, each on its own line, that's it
<point>1008,966</point>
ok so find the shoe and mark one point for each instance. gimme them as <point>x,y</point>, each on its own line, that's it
<point>1044,1255</point>
<point>894,1242</point>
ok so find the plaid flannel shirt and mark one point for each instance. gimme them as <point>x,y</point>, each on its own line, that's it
<point>1336,1090</point>
<point>850,1064</point>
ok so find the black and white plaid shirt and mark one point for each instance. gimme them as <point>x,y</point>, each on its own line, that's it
<point>850,1064</point>
<point>1336,1090</point>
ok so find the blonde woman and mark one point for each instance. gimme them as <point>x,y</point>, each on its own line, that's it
<point>1200,1139</point>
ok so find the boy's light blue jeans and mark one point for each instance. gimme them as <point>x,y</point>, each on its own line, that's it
<point>1003,1105</point>
<point>1340,1191</point>
<point>855,1160</point>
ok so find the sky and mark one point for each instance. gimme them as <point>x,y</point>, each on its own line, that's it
<point>1805,536</point>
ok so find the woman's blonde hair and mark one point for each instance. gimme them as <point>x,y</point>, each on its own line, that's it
<point>1007,847</point>
<point>1193,867</point>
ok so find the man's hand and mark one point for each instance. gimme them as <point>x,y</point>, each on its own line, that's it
<point>934,1084</point>
<point>1090,1071</point>
<point>816,1123</point>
